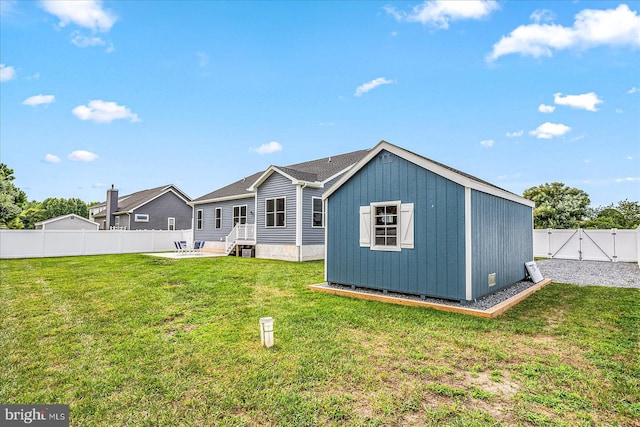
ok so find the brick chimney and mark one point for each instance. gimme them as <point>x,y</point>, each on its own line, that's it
<point>112,206</point>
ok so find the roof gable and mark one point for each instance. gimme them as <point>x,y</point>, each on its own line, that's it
<point>450,173</point>
<point>62,217</point>
<point>133,201</point>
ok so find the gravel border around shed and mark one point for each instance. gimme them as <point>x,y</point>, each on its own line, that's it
<point>591,273</point>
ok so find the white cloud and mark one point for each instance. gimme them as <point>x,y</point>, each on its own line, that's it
<point>34,101</point>
<point>487,143</point>
<point>542,15</point>
<point>586,101</point>
<point>84,13</point>
<point>439,13</point>
<point>81,40</point>
<point>515,134</point>
<point>546,108</point>
<point>104,112</point>
<point>549,130</point>
<point>619,111</point>
<point>51,158</point>
<point>628,179</point>
<point>591,28</point>
<point>268,148</point>
<point>7,72</point>
<point>82,156</point>
<point>629,157</point>
<point>366,87</point>
<point>633,90</point>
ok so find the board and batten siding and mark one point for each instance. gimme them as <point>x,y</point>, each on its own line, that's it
<point>436,264</point>
<point>209,231</point>
<point>502,236</point>
<point>276,186</point>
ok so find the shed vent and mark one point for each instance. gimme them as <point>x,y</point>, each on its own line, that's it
<point>492,279</point>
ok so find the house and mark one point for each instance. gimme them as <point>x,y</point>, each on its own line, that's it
<point>400,222</point>
<point>160,208</point>
<point>277,213</point>
<point>67,222</point>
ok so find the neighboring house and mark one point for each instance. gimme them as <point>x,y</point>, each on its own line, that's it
<point>277,212</point>
<point>400,222</point>
<point>67,222</point>
<point>161,208</point>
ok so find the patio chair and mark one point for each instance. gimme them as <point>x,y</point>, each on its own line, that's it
<point>178,247</point>
<point>184,248</point>
<point>198,246</point>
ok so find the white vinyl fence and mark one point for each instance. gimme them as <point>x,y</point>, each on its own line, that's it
<point>593,245</point>
<point>52,243</point>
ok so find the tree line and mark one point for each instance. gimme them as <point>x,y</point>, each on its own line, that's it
<point>557,206</point>
<point>17,212</point>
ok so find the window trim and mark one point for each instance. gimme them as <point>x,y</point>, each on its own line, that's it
<point>217,224</point>
<point>313,212</point>
<point>137,218</point>
<point>394,248</point>
<point>275,212</point>
<point>246,212</point>
<point>199,219</point>
<point>169,223</point>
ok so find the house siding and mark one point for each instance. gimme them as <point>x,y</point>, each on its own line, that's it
<point>310,235</point>
<point>159,211</point>
<point>276,186</point>
<point>212,234</point>
<point>67,224</point>
<point>502,236</point>
<point>436,265</point>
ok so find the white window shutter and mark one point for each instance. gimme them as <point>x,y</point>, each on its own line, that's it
<point>365,226</point>
<point>406,225</point>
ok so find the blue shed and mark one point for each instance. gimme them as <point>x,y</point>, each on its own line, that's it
<point>400,222</point>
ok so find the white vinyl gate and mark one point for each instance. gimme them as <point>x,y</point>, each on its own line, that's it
<point>590,245</point>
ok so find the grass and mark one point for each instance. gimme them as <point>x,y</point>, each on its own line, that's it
<point>136,340</point>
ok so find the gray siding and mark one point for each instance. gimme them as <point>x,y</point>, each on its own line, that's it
<point>68,224</point>
<point>502,241</point>
<point>209,232</point>
<point>436,265</point>
<point>159,211</point>
<point>310,235</point>
<point>277,186</point>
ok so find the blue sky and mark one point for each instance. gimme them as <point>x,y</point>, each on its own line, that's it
<point>200,94</point>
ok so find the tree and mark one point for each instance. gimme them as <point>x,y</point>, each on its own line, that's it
<point>557,206</point>
<point>31,213</point>
<point>54,207</point>
<point>626,215</point>
<point>11,198</point>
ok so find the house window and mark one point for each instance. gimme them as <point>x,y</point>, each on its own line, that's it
<point>218,218</point>
<point>387,226</point>
<point>141,218</point>
<point>117,221</point>
<point>275,212</point>
<point>171,225</point>
<point>199,219</point>
<point>239,215</point>
<point>317,212</point>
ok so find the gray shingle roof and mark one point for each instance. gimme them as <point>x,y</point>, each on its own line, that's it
<point>133,200</point>
<point>313,171</point>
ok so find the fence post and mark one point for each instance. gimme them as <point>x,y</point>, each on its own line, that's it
<point>614,258</point>
<point>549,253</point>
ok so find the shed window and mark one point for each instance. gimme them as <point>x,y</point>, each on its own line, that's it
<point>199,219</point>
<point>239,215</point>
<point>387,226</point>
<point>275,212</point>
<point>317,212</point>
<point>141,218</point>
<point>218,218</point>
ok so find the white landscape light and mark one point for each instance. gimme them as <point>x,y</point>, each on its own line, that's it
<point>266,331</point>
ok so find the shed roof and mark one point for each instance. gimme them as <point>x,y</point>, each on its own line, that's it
<point>63,217</point>
<point>445,171</point>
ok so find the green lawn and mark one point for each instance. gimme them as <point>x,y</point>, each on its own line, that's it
<point>135,340</point>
